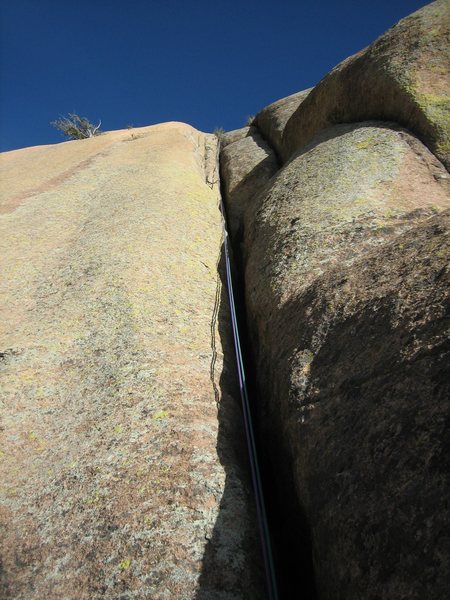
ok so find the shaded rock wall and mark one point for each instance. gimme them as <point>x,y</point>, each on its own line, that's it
<point>345,257</point>
<point>121,452</point>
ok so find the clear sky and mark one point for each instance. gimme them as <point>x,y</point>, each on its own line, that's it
<point>210,63</point>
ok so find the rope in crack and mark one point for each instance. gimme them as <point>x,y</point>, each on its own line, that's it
<point>249,431</point>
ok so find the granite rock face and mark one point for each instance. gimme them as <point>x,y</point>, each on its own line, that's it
<point>401,77</point>
<point>229,137</point>
<point>346,292</point>
<point>245,165</point>
<point>121,447</point>
<point>272,119</point>
<point>345,256</point>
<point>354,188</point>
<point>122,463</point>
<point>357,378</point>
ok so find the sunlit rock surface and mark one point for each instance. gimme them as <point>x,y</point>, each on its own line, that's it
<point>402,77</point>
<point>123,469</point>
<point>121,438</point>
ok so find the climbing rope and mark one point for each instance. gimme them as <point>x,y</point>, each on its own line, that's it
<point>249,431</point>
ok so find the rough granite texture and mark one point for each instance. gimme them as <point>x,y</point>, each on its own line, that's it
<point>358,377</point>
<point>348,329</point>
<point>345,256</point>
<point>245,165</point>
<point>403,76</point>
<point>121,447</point>
<point>229,137</point>
<point>375,182</point>
<point>122,454</point>
<point>272,119</point>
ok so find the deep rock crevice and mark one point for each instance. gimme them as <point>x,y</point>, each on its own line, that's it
<point>290,537</point>
<point>341,253</point>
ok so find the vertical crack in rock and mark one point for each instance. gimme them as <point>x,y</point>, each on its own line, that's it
<point>123,459</point>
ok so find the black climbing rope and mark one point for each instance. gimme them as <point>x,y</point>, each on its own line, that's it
<point>249,431</point>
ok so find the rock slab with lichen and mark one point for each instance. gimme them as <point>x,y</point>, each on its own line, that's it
<point>120,417</point>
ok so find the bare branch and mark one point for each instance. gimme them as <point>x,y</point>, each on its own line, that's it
<point>100,122</point>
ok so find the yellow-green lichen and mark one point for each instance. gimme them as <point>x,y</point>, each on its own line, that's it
<point>436,107</point>
<point>124,564</point>
<point>363,144</point>
<point>160,414</point>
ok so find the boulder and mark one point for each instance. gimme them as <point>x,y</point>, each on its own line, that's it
<point>345,263</point>
<point>346,267</point>
<point>122,460</point>
<point>358,383</point>
<point>246,165</point>
<point>353,188</point>
<point>229,137</point>
<point>403,77</point>
<point>272,119</point>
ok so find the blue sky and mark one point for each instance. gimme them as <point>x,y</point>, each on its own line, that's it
<point>210,63</point>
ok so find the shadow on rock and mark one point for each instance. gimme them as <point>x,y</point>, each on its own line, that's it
<point>232,563</point>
